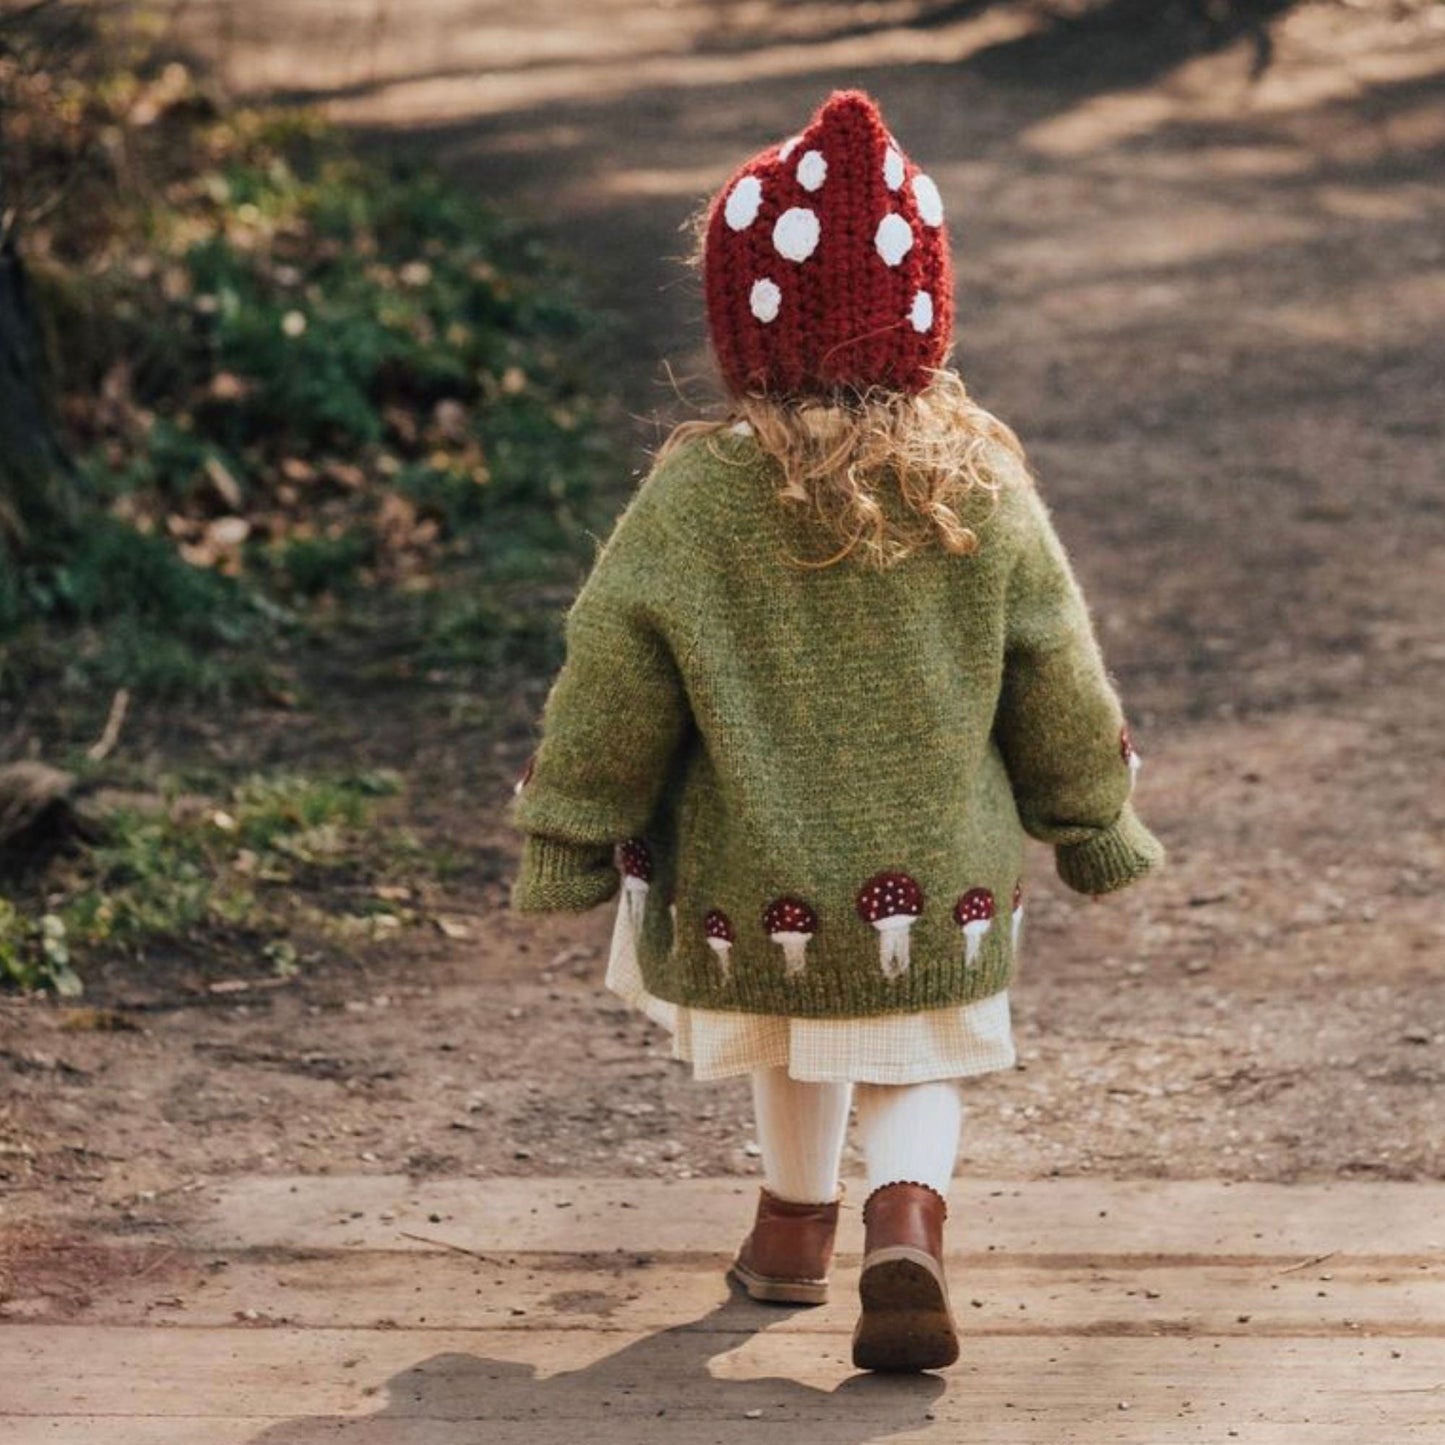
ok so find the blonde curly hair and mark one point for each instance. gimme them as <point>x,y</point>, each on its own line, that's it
<point>842,458</point>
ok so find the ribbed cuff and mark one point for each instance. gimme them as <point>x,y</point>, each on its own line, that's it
<point>1111,859</point>
<point>560,877</point>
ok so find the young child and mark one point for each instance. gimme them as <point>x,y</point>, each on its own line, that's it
<point>829,670</point>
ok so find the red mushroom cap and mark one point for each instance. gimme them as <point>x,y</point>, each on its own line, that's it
<point>789,915</point>
<point>637,859</point>
<point>718,925</point>
<point>889,895</point>
<point>1018,896</point>
<point>975,906</point>
<point>1126,744</point>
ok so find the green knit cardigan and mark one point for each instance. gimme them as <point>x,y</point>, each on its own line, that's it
<point>814,784</point>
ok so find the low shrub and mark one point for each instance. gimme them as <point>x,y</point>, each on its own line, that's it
<point>262,855</point>
<point>292,376</point>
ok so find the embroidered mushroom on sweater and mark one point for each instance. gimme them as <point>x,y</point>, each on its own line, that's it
<point>636,860</point>
<point>891,902</point>
<point>1018,916</point>
<point>790,923</point>
<point>1132,759</point>
<point>718,929</point>
<point>525,776</point>
<point>974,915</point>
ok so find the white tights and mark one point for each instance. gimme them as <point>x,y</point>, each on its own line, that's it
<point>909,1131</point>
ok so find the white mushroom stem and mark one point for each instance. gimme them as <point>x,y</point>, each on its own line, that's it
<point>634,900</point>
<point>974,933</point>
<point>795,950</point>
<point>893,943</point>
<point>1018,923</point>
<point>1135,763</point>
<point>723,948</point>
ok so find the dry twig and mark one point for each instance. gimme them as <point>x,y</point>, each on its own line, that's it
<point>104,745</point>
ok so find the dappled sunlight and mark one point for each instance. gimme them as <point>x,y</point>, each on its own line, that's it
<point>488,92</point>
<point>690,182</point>
<point>1393,309</point>
<point>1225,87</point>
<point>385,70</point>
<point>1126,246</point>
<point>1396,203</point>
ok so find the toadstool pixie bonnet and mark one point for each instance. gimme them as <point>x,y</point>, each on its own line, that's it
<point>826,263</point>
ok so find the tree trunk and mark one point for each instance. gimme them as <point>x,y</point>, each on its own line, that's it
<point>37,482</point>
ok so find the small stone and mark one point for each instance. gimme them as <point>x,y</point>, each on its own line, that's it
<point>752,1414</point>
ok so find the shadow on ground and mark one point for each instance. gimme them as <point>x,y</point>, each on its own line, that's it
<point>655,1391</point>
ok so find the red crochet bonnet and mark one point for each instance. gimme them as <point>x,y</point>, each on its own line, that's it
<point>826,263</point>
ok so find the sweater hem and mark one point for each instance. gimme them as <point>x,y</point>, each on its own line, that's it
<point>771,1041</point>
<point>921,990</point>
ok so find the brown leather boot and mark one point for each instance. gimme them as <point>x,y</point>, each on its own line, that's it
<point>786,1255</point>
<point>906,1322</point>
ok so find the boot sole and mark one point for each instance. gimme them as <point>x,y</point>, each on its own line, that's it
<point>906,1325</point>
<point>769,1290</point>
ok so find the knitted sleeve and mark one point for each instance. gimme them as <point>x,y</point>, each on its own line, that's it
<point>612,722</point>
<point>1059,723</point>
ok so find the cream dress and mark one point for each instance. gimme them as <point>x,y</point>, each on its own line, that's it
<point>943,1043</point>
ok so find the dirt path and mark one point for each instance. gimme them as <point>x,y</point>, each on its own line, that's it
<point>1212,300</point>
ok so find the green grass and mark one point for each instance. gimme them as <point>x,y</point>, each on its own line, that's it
<point>269,855</point>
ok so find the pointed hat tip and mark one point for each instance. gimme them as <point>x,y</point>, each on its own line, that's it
<point>848,103</point>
